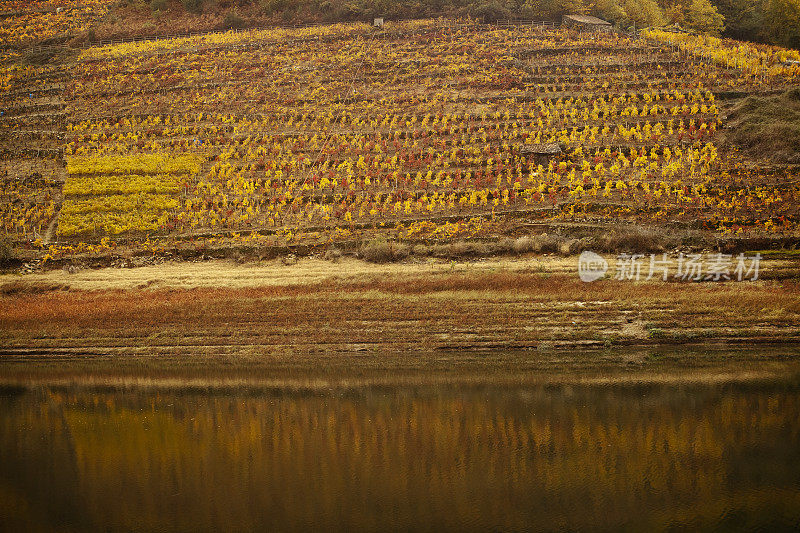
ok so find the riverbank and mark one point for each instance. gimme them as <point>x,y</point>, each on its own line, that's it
<point>350,307</point>
<point>323,374</point>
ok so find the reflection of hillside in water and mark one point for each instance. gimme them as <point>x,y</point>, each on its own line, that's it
<point>412,457</point>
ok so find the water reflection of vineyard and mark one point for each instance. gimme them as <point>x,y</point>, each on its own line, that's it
<point>510,459</point>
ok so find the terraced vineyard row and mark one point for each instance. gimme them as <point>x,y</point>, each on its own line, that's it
<point>32,124</point>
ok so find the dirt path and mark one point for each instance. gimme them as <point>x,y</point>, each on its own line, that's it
<point>50,232</point>
<point>229,274</point>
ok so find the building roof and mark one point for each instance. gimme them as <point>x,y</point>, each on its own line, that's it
<point>586,19</point>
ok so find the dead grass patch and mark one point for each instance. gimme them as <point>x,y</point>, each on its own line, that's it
<point>767,128</point>
<point>22,287</point>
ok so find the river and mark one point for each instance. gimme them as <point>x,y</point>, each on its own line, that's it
<point>504,451</point>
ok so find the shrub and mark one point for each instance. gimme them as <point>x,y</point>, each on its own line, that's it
<point>193,6</point>
<point>635,239</point>
<point>421,250</point>
<point>401,251</point>
<point>287,9</point>
<point>384,252</point>
<point>233,21</point>
<point>491,12</point>
<point>522,245</point>
<point>569,247</point>
<point>6,250</point>
<point>506,244</point>
<point>333,254</point>
<point>548,243</point>
<point>377,252</point>
<point>463,248</point>
<point>543,243</point>
<point>478,249</point>
<point>459,248</point>
<point>440,250</point>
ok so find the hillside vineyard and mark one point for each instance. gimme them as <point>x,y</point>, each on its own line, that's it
<point>424,128</point>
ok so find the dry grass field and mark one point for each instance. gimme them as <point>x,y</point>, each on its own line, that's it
<point>328,308</point>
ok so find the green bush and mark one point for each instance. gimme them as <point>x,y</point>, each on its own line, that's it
<point>193,6</point>
<point>6,250</point>
<point>491,12</point>
<point>233,21</point>
<point>271,7</point>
